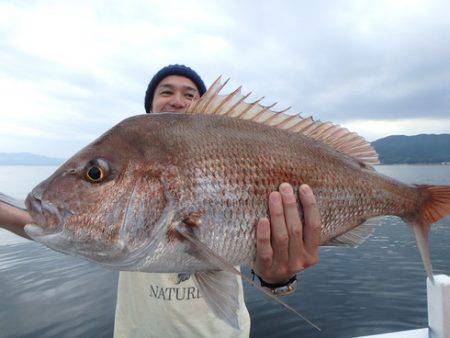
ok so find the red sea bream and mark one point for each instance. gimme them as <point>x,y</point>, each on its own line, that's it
<point>181,193</point>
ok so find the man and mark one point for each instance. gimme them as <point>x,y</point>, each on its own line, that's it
<point>154,304</point>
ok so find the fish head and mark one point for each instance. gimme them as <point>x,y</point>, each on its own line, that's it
<point>103,204</point>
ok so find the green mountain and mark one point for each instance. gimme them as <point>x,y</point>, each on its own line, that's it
<point>421,148</point>
<point>28,159</point>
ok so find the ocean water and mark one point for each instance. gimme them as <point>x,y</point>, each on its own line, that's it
<point>375,288</point>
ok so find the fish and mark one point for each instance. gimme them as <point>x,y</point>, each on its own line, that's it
<point>180,193</point>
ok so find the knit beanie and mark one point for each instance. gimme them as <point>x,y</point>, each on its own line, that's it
<point>180,70</point>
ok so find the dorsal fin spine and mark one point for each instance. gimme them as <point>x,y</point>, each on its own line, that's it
<point>328,135</point>
<point>301,125</point>
<point>249,107</point>
<point>308,129</point>
<point>338,133</point>
<point>319,129</point>
<point>231,110</point>
<point>199,105</point>
<point>335,136</point>
<point>226,100</point>
<point>255,118</point>
<point>286,121</point>
<point>214,95</point>
<point>272,120</point>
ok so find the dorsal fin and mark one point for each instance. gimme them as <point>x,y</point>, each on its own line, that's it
<point>234,105</point>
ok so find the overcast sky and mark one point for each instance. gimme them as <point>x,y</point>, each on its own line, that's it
<point>69,70</point>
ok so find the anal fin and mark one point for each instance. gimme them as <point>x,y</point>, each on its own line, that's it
<point>356,236</point>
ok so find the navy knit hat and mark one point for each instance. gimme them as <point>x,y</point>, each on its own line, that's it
<point>180,70</point>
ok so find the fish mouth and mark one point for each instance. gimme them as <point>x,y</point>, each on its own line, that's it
<point>49,217</point>
<point>49,230</point>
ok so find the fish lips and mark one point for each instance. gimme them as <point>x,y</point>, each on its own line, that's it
<point>48,217</point>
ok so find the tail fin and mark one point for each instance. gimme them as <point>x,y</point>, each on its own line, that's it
<point>436,205</point>
<point>12,201</point>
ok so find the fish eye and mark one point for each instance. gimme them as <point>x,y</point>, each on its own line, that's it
<point>94,174</point>
<point>97,170</point>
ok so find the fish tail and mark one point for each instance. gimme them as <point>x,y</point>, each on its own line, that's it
<point>436,205</point>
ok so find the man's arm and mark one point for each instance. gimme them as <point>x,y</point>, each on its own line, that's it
<point>14,219</point>
<point>285,246</point>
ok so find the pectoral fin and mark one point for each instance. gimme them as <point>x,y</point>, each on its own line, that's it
<point>202,251</point>
<point>220,290</point>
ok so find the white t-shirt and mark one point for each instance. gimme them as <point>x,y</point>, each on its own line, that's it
<point>153,305</point>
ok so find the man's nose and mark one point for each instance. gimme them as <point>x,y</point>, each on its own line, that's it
<point>178,101</point>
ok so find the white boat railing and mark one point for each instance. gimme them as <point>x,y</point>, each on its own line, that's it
<point>439,306</point>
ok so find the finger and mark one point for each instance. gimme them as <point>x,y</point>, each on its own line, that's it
<point>294,226</point>
<point>279,233</point>
<point>313,224</point>
<point>263,247</point>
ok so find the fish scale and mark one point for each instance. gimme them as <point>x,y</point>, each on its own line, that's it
<point>241,183</point>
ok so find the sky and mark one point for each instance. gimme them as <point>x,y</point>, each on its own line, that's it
<point>70,70</point>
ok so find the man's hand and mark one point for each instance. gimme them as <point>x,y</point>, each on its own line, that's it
<point>284,245</point>
<point>14,219</point>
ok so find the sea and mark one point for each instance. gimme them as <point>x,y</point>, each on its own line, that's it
<point>375,288</point>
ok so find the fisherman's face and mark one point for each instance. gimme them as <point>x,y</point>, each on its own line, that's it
<point>174,94</point>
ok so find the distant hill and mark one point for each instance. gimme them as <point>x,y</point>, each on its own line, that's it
<point>28,159</point>
<point>422,148</point>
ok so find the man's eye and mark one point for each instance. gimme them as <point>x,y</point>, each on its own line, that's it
<point>166,93</point>
<point>189,96</point>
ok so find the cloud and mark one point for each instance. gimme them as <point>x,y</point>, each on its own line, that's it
<point>69,71</point>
